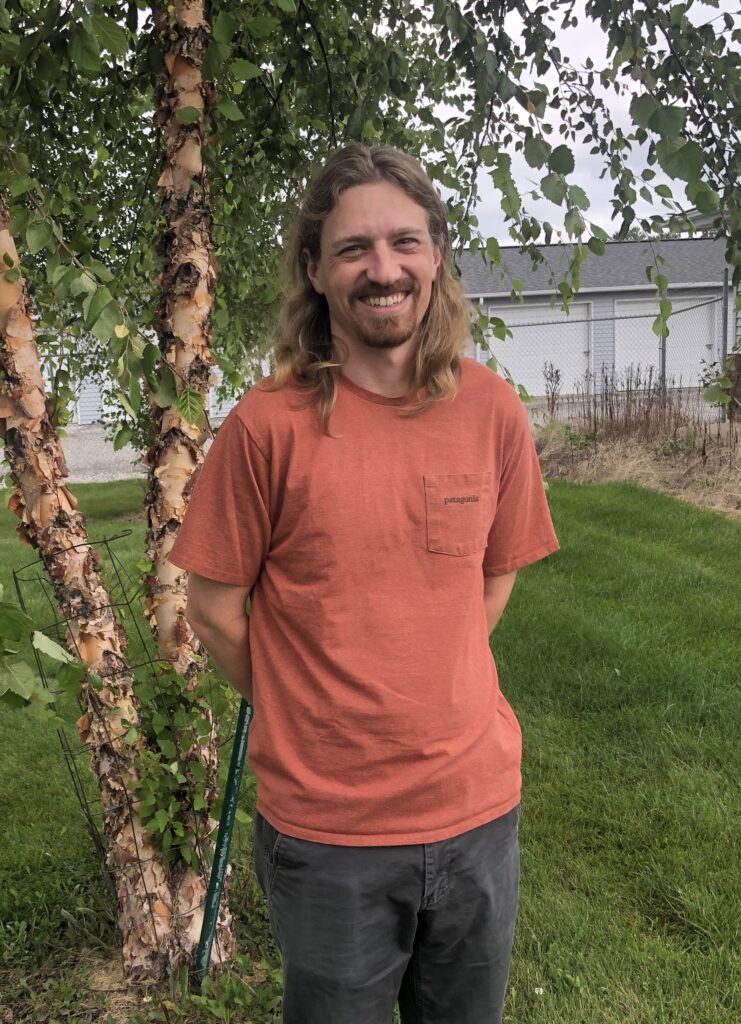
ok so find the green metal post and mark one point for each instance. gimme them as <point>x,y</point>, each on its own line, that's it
<point>223,842</point>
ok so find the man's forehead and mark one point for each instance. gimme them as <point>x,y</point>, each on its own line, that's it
<point>374,210</point>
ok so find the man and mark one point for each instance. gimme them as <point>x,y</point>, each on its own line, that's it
<point>375,498</point>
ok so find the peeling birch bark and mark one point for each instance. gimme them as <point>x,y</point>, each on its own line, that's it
<point>50,523</point>
<point>184,329</point>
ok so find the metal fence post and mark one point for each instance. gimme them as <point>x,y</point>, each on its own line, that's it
<point>223,842</point>
<point>724,337</point>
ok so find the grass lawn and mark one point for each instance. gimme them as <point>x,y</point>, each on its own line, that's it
<point>620,655</point>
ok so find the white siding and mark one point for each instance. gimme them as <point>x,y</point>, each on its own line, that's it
<point>691,338</point>
<point>544,334</point>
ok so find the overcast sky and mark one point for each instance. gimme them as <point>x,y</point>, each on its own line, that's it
<point>586,40</point>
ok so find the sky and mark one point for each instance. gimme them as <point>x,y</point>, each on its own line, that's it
<point>586,40</point>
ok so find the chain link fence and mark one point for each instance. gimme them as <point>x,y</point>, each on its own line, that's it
<point>582,353</point>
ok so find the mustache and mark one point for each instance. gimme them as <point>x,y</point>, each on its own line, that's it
<point>375,292</point>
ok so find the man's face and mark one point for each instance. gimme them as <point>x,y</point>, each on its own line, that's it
<point>376,267</point>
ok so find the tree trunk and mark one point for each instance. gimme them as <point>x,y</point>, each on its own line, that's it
<point>183,324</point>
<point>50,523</point>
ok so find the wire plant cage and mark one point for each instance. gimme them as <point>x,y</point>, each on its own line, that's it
<point>126,593</point>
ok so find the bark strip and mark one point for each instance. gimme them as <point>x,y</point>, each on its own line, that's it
<point>50,522</point>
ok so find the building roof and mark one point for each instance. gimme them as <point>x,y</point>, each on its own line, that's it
<point>688,261</point>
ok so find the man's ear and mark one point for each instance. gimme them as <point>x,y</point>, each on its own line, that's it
<point>437,259</point>
<point>312,271</point>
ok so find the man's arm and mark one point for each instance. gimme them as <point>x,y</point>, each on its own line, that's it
<point>496,594</point>
<point>217,616</point>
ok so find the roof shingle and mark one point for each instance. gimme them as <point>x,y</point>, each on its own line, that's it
<point>687,261</point>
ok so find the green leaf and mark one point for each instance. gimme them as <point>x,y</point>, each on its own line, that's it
<point>244,70</point>
<point>71,676</point>
<point>506,88</point>
<point>122,436</point>
<point>188,115</point>
<point>561,160</point>
<point>191,406</point>
<point>165,393</point>
<point>355,123</point>
<point>84,48</point>
<point>537,151</point>
<point>94,304</point>
<point>665,307</point>
<point>38,235</point>
<point>286,5</point>
<point>715,395</point>
<point>110,35</point>
<point>685,163</point>
<point>150,358</point>
<point>161,818</point>
<point>536,100</point>
<point>11,275</point>
<point>489,154</point>
<point>498,327</point>
<point>597,246</point>
<point>668,120</point>
<point>642,108</point>
<point>578,197</point>
<point>261,26</point>
<point>705,198</point>
<point>20,679</point>
<point>224,27</point>
<point>664,191</point>
<point>48,646</point>
<point>14,623</point>
<point>215,56</point>
<point>574,222</point>
<point>230,110</point>
<point>124,400</point>
<point>243,816</point>
<point>553,187</point>
<point>105,326</point>
<point>19,184</point>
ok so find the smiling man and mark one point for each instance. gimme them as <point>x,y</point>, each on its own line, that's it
<point>375,499</point>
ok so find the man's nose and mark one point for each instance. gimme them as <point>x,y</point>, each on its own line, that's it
<point>383,265</point>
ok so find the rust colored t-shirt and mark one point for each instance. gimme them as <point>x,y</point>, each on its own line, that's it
<point>378,717</point>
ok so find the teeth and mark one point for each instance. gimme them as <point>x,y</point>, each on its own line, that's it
<point>385,300</point>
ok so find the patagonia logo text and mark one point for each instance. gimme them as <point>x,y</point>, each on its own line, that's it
<point>463,499</point>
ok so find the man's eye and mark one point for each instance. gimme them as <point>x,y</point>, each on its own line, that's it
<point>407,241</point>
<point>349,249</point>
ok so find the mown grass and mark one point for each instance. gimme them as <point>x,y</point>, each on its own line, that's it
<point>620,657</point>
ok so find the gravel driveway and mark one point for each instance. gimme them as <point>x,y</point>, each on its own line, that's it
<point>91,458</point>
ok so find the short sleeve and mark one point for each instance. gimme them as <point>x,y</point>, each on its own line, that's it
<point>522,531</point>
<point>225,534</point>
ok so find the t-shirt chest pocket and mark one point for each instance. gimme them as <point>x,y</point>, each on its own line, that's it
<point>458,512</point>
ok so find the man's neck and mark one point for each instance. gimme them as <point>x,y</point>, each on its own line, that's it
<point>387,372</point>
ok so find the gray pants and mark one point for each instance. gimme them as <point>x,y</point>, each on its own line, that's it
<point>362,927</point>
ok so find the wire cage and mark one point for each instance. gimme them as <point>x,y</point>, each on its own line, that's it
<point>126,594</point>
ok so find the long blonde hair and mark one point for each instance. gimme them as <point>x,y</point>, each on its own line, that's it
<point>303,351</point>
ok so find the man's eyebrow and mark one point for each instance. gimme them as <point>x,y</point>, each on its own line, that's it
<point>365,239</point>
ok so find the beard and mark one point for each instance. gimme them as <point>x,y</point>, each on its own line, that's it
<point>385,332</point>
<point>389,332</point>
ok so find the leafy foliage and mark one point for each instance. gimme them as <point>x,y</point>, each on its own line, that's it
<point>453,82</point>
